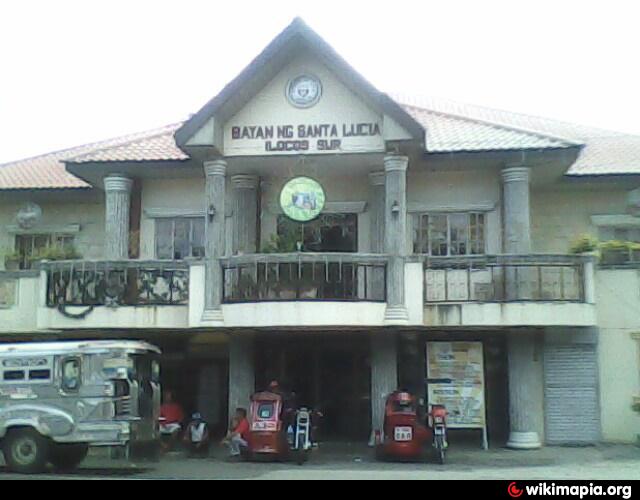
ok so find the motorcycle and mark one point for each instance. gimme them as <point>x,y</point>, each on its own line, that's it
<point>403,435</point>
<point>438,423</point>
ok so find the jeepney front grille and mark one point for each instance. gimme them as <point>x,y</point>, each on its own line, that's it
<point>123,406</point>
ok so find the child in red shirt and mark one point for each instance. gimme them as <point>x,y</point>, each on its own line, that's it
<point>238,437</point>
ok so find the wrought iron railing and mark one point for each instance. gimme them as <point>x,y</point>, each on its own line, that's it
<point>505,278</point>
<point>116,283</point>
<point>304,276</point>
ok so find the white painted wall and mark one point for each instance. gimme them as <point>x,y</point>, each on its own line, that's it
<point>618,303</point>
<point>559,217</point>
<point>20,316</point>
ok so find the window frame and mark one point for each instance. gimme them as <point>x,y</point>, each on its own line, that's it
<point>190,241</point>
<point>60,240</point>
<point>476,223</point>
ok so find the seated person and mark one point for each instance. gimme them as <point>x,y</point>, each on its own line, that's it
<point>171,418</point>
<point>238,436</point>
<point>196,437</point>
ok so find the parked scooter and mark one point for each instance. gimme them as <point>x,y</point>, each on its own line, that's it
<point>438,424</point>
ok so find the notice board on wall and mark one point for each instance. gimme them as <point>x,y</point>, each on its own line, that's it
<point>455,378</point>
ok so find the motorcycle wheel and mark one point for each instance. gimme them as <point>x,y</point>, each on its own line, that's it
<point>440,449</point>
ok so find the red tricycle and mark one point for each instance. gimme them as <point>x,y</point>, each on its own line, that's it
<point>278,433</point>
<point>403,435</point>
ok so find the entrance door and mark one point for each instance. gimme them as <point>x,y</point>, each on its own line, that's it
<point>331,375</point>
<point>572,414</point>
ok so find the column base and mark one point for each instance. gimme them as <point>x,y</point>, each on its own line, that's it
<point>524,441</point>
<point>396,315</point>
<point>214,316</point>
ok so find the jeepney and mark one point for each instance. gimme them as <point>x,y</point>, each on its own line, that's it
<point>57,399</point>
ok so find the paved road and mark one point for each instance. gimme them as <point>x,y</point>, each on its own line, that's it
<point>606,462</point>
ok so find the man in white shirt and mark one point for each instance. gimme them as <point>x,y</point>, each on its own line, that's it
<point>196,437</point>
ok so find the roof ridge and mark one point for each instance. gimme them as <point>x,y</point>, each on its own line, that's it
<point>505,126</point>
<point>139,135</point>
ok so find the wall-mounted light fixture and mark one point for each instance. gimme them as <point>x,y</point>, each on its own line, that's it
<point>211,212</point>
<point>395,208</point>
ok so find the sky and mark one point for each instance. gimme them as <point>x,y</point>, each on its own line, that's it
<point>73,72</point>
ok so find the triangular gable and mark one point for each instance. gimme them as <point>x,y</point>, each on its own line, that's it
<point>298,51</point>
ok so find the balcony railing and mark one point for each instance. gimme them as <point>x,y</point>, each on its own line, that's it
<point>117,283</point>
<point>304,276</point>
<point>505,278</point>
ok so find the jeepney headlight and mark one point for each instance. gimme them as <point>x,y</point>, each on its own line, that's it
<point>109,389</point>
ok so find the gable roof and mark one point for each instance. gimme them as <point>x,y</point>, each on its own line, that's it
<point>273,58</point>
<point>450,127</point>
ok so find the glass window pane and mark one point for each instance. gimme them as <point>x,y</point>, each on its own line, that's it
<point>421,233</point>
<point>197,238</point>
<point>182,237</point>
<point>164,238</point>
<point>459,227</point>
<point>438,235</point>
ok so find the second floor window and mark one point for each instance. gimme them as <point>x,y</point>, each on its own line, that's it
<point>180,238</point>
<point>32,247</point>
<point>447,235</point>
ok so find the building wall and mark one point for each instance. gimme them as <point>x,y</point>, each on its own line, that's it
<point>559,217</point>
<point>89,214</point>
<point>618,303</point>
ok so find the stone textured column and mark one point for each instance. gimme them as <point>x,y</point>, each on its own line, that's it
<point>525,405</point>
<point>215,178</point>
<point>376,211</point>
<point>245,214</point>
<point>117,209</point>
<point>395,236</point>
<point>517,210</point>
<point>384,377</point>
<point>242,380</point>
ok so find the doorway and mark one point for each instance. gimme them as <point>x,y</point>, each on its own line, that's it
<point>331,375</point>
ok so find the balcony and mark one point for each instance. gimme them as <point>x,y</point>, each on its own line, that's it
<point>513,290</point>
<point>304,277</point>
<point>297,290</point>
<point>104,294</point>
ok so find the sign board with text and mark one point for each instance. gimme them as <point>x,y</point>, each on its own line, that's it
<point>455,377</point>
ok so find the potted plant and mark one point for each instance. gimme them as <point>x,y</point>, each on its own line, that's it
<point>12,260</point>
<point>634,252</point>
<point>55,253</point>
<point>585,244</point>
<point>615,252</point>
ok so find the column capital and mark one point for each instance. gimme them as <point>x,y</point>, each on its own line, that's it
<point>376,178</point>
<point>117,183</point>
<point>243,181</point>
<point>518,173</point>
<point>395,163</point>
<point>215,167</point>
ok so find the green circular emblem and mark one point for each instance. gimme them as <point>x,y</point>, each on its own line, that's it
<point>302,199</point>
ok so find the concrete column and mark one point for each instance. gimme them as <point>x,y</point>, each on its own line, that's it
<point>245,213</point>
<point>242,380</point>
<point>517,210</point>
<point>384,377</point>
<point>376,211</point>
<point>525,393</point>
<point>117,208</point>
<point>215,172</point>
<point>395,236</point>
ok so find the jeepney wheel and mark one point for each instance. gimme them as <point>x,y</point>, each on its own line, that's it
<point>66,457</point>
<point>26,451</point>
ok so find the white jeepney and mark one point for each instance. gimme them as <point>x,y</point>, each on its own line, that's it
<point>59,398</point>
